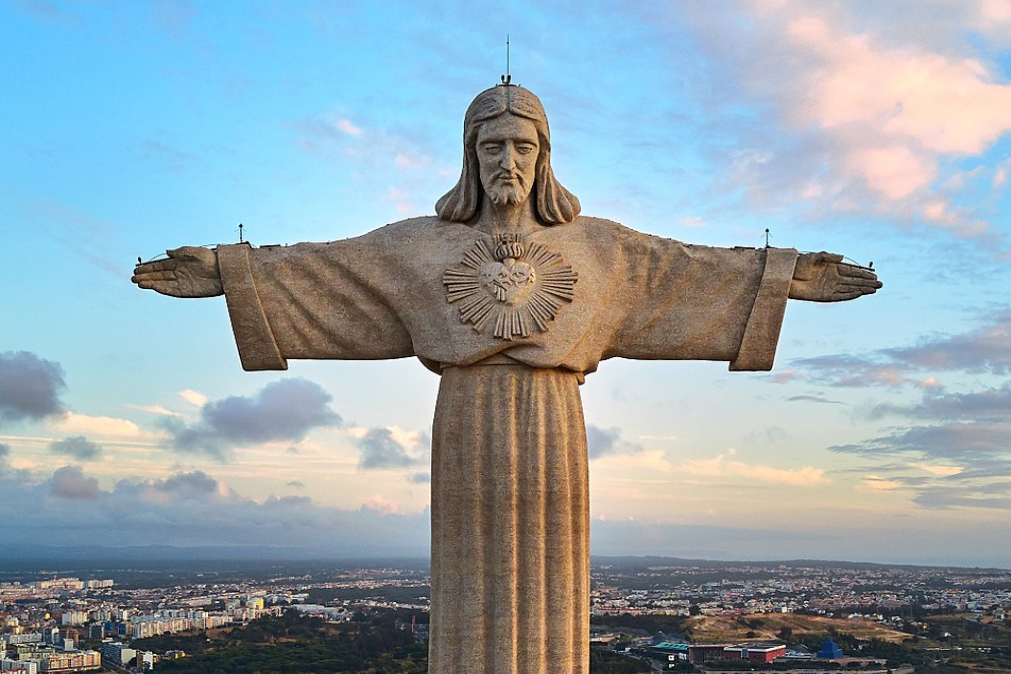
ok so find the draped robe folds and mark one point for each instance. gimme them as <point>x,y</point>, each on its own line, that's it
<point>510,506</point>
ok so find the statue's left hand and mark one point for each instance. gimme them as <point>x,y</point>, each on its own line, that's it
<point>824,277</point>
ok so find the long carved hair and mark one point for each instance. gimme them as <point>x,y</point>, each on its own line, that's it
<point>555,204</point>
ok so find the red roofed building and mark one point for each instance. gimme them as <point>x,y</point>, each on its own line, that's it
<point>754,652</point>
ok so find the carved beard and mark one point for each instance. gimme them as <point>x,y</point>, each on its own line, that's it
<point>508,194</point>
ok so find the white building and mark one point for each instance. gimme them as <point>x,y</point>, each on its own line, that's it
<point>19,666</point>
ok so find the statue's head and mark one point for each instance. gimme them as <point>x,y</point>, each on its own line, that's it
<point>516,112</point>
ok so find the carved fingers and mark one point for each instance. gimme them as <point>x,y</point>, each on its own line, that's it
<point>824,277</point>
<point>189,271</point>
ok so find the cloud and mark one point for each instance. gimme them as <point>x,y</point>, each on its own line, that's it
<point>967,462</point>
<point>69,482</point>
<point>943,471</point>
<point>995,495</point>
<point>81,234</point>
<point>382,449</point>
<point>194,486</point>
<point>284,410</point>
<point>813,399</point>
<point>295,484</point>
<point>381,506</point>
<point>155,409</point>
<point>319,134</point>
<point>853,371</point>
<point>420,478</point>
<point>75,511</point>
<point>603,442</point>
<point>107,426</point>
<point>984,350</point>
<point>873,118</point>
<point>956,442</point>
<point>29,387</point>
<point>402,200</point>
<point>396,165</point>
<point>987,405</point>
<point>77,447</point>
<point>194,398</point>
<point>960,439</point>
<point>347,126</point>
<point>721,466</point>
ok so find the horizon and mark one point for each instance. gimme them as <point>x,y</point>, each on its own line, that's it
<point>882,434</point>
<point>92,559</point>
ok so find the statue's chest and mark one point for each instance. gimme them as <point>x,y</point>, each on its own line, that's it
<point>509,287</point>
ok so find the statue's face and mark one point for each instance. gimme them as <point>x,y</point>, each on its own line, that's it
<point>507,148</point>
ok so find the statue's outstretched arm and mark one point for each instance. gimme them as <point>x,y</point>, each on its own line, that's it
<point>190,271</point>
<point>824,277</point>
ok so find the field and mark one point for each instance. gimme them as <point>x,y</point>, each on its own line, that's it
<point>769,626</point>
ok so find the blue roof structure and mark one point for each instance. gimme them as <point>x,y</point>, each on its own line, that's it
<point>830,650</point>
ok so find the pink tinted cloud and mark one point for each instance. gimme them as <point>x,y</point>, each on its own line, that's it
<point>900,108</point>
<point>946,104</point>
<point>886,106</point>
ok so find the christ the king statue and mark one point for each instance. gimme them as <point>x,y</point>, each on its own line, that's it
<point>512,298</point>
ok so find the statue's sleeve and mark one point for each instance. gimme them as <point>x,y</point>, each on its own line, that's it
<point>700,303</point>
<point>312,300</point>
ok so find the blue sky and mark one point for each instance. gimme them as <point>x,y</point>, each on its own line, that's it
<point>878,130</point>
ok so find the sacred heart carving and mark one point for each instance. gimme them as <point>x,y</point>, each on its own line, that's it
<point>508,282</point>
<point>510,286</point>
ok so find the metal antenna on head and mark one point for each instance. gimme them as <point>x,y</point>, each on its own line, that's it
<point>240,233</point>
<point>766,237</point>
<point>507,78</point>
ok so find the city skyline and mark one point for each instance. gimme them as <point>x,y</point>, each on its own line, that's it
<point>882,434</point>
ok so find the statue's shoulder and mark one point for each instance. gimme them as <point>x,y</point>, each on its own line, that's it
<point>605,227</point>
<point>406,230</point>
<point>410,224</point>
<point>600,224</point>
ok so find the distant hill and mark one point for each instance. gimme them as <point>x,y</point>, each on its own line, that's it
<point>20,557</point>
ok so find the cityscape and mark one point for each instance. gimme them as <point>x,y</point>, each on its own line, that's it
<point>647,614</point>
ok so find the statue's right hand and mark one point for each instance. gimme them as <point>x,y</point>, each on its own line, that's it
<point>190,271</point>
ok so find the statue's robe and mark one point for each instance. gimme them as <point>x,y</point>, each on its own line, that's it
<point>510,506</point>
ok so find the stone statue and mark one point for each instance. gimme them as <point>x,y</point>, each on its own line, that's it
<point>512,297</point>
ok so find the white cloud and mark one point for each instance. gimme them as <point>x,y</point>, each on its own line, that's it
<point>405,437</point>
<point>403,201</point>
<point>641,462</point>
<point>101,426</point>
<point>945,104</point>
<point>381,505</point>
<point>193,398</point>
<point>155,409</point>
<point>720,466</point>
<point>412,161</point>
<point>346,125</point>
<point>875,117</point>
<point>942,471</point>
<point>881,484</point>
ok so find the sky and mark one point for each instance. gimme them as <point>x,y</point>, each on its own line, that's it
<point>881,131</point>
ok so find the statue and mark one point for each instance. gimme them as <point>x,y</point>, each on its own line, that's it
<point>512,297</point>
